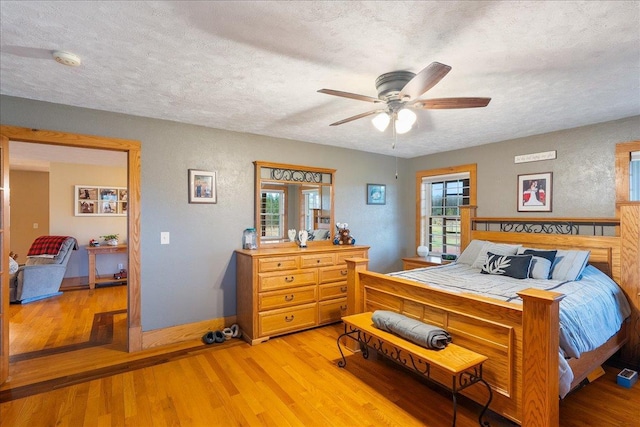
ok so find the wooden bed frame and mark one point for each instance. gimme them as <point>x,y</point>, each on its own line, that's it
<point>521,341</point>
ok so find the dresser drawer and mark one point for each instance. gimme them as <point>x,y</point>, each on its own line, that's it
<point>277,264</point>
<point>287,319</point>
<point>332,310</point>
<point>316,260</point>
<point>333,290</point>
<point>332,274</point>
<point>286,298</point>
<point>271,281</point>
<point>341,256</point>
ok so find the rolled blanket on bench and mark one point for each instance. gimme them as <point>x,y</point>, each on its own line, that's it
<point>417,332</point>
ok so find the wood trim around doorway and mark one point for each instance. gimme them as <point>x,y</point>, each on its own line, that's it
<point>132,148</point>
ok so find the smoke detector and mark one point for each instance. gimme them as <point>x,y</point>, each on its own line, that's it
<point>66,58</point>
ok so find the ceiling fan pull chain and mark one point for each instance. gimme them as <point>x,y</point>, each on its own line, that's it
<point>396,167</point>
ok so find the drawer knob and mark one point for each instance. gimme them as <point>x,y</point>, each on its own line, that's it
<point>289,279</point>
<point>343,307</point>
<point>289,297</point>
<point>279,264</point>
<point>289,318</point>
<point>343,272</point>
<point>343,289</point>
<point>317,261</point>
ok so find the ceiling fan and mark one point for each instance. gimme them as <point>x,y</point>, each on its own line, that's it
<point>398,93</point>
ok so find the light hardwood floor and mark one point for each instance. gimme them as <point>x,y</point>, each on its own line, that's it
<point>291,380</point>
<point>75,319</point>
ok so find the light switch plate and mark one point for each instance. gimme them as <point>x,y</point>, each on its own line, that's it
<point>164,238</point>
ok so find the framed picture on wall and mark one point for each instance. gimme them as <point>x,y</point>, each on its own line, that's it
<point>534,192</point>
<point>202,186</point>
<point>93,200</point>
<point>376,194</point>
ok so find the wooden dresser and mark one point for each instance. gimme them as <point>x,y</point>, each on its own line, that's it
<point>282,290</point>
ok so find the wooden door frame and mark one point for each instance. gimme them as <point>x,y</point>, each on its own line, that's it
<point>132,148</point>
<point>4,264</point>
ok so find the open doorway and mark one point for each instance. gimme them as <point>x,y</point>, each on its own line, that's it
<point>132,150</point>
<point>44,179</point>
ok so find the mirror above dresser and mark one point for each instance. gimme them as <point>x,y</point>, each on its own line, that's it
<point>293,197</point>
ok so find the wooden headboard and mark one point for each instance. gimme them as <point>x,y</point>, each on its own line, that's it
<point>614,244</point>
<point>600,236</point>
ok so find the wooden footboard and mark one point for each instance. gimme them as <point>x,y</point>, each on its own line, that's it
<point>502,331</point>
<point>521,341</point>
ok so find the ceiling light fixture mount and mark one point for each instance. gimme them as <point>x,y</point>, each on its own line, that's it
<point>66,58</point>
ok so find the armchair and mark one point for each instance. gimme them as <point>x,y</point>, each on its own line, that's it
<point>41,276</point>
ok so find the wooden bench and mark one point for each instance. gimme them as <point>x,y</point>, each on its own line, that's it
<point>454,368</point>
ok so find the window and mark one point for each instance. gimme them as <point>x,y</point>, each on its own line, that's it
<point>634,177</point>
<point>311,201</point>
<point>440,194</point>
<point>272,214</point>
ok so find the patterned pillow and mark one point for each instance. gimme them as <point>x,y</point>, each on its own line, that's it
<point>516,266</point>
<point>496,248</point>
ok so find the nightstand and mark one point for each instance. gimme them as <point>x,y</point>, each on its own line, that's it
<point>421,261</point>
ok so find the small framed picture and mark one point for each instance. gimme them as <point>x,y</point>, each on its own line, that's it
<point>376,194</point>
<point>202,186</point>
<point>534,192</point>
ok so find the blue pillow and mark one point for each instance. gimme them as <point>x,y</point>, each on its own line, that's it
<point>516,266</point>
<point>550,255</point>
<point>569,264</point>
<point>538,268</point>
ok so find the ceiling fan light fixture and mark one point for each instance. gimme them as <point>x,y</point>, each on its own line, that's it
<point>407,116</point>
<point>381,121</point>
<point>402,127</point>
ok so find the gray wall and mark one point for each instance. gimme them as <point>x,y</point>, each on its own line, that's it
<point>193,278</point>
<point>583,171</point>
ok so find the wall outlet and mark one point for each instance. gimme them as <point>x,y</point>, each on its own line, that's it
<point>120,267</point>
<point>164,238</point>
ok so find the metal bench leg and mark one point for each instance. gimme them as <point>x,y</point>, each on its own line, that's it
<point>455,408</point>
<point>342,363</point>
<point>484,409</point>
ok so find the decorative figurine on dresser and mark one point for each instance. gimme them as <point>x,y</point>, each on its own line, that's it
<point>283,287</point>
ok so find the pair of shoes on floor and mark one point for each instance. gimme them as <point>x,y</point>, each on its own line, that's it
<point>232,332</point>
<point>213,337</point>
<point>216,337</point>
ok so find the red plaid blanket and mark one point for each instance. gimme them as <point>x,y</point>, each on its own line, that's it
<point>47,245</point>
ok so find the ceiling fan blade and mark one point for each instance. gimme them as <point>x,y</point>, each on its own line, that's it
<point>450,103</point>
<point>28,52</point>
<point>424,80</point>
<point>350,95</point>
<point>359,116</point>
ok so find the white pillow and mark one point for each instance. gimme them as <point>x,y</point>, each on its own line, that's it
<point>470,253</point>
<point>569,264</point>
<point>13,266</point>
<point>495,248</point>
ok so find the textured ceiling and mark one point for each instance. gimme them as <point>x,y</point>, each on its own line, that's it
<point>256,66</point>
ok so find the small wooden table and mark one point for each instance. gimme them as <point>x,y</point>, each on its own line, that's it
<point>100,250</point>
<point>422,261</point>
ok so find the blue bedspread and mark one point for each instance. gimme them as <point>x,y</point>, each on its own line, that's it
<point>591,312</point>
